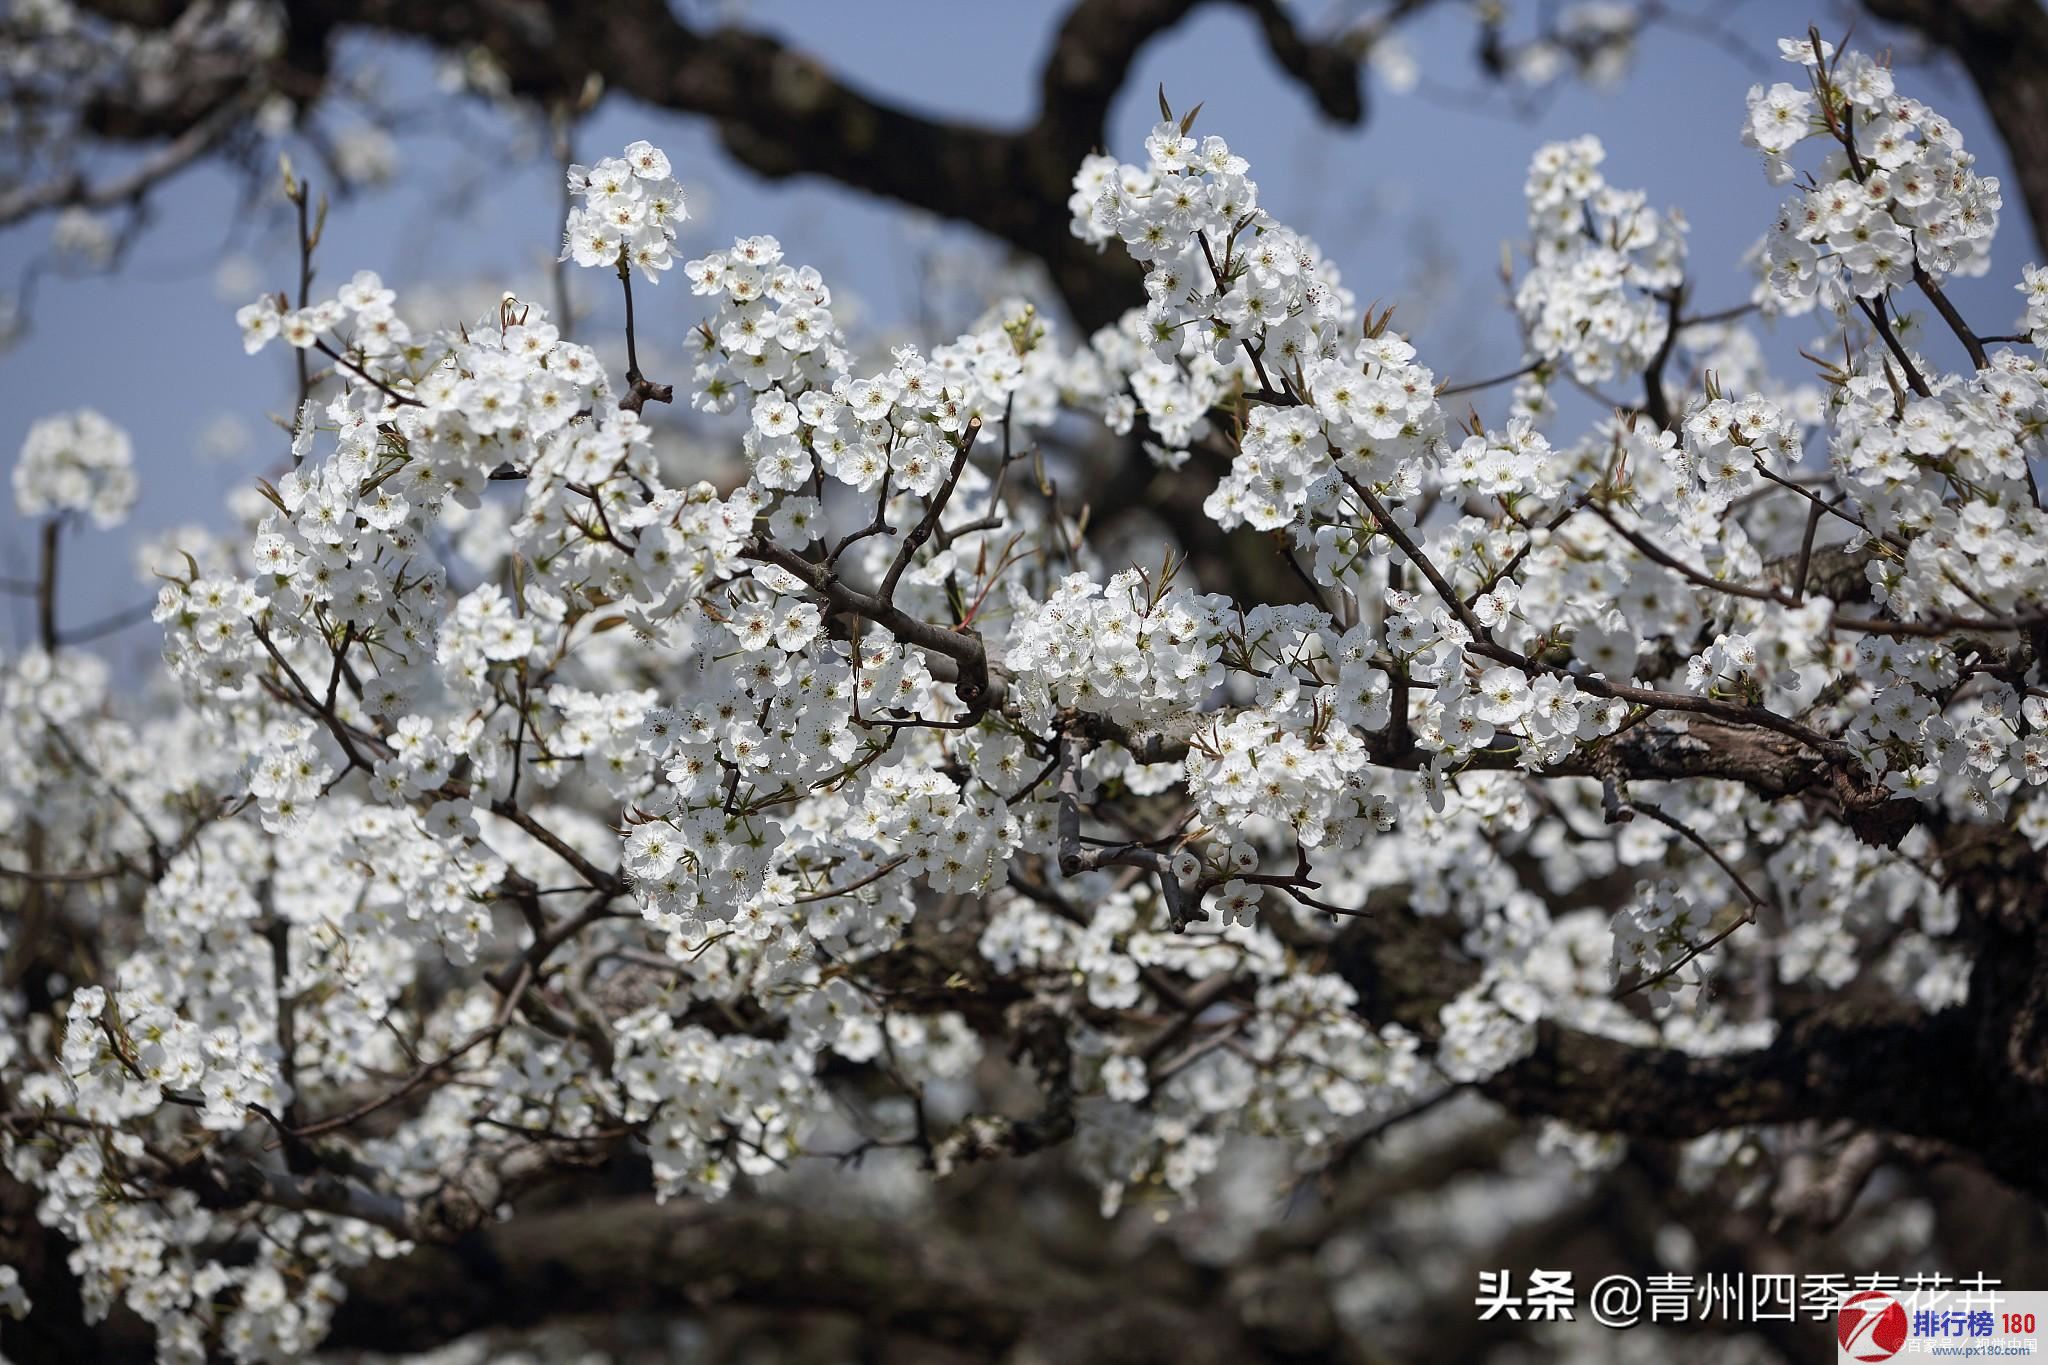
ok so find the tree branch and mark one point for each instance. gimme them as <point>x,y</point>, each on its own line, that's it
<point>988,1295</point>
<point>189,145</point>
<point>778,110</point>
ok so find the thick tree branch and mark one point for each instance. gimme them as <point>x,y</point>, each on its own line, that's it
<point>192,143</point>
<point>778,110</point>
<point>1099,41</point>
<point>1969,1077</point>
<point>988,1296</point>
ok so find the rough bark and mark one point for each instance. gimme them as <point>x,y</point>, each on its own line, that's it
<point>987,1295</point>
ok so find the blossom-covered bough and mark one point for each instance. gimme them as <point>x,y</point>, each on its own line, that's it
<point>528,804</point>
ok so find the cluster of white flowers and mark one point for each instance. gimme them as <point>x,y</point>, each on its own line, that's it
<point>1370,411</point>
<point>1268,768</point>
<point>1654,937</point>
<point>1725,445</point>
<point>656,783</point>
<point>76,462</point>
<point>1487,1029</point>
<point>1234,296</point>
<point>1127,650</point>
<point>1934,466</point>
<point>627,211</point>
<point>1505,464</point>
<point>1603,266</point>
<point>1895,197</point>
<point>2034,285</point>
<point>366,307</point>
<point>718,1108</point>
<point>188,1026</point>
<point>1308,1066</point>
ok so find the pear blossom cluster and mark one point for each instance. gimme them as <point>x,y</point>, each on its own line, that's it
<point>1654,938</point>
<point>627,212</point>
<point>1368,412</point>
<point>1124,650</point>
<point>1936,466</point>
<point>1306,1067</point>
<point>1728,442</point>
<point>1262,771</point>
<point>533,792</point>
<point>1223,282</point>
<point>185,1031</point>
<point>76,462</point>
<point>1895,196</point>
<point>373,327</point>
<point>1487,1029</point>
<point>2033,286</point>
<point>1603,265</point>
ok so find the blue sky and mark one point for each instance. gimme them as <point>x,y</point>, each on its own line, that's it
<point>1414,206</point>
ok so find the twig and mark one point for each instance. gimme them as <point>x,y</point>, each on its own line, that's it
<point>403,400</point>
<point>188,147</point>
<point>1748,915</point>
<point>1266,390</point>
<point>964,648</point>
<point>46,586</point>
<point>639,389</point>
<point>1365,1137</point>
<point>1421,561</point>
<point>1831,508</point>
<point>1735,713</point>
<point>936,507</point>
<point>1664,817</point>
<point>1939,625</point>
<point>301,194</point>
<point>1875,312</point>
<point>109,625</point>
<point>1075,860</point>
<point>565,151</point>
<point>1474,385</point>
<point>1656,404</point>
<point>1699,577</point>
<point>1971,342</point>
<point>831,891</point>
<point>1813,515</point>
